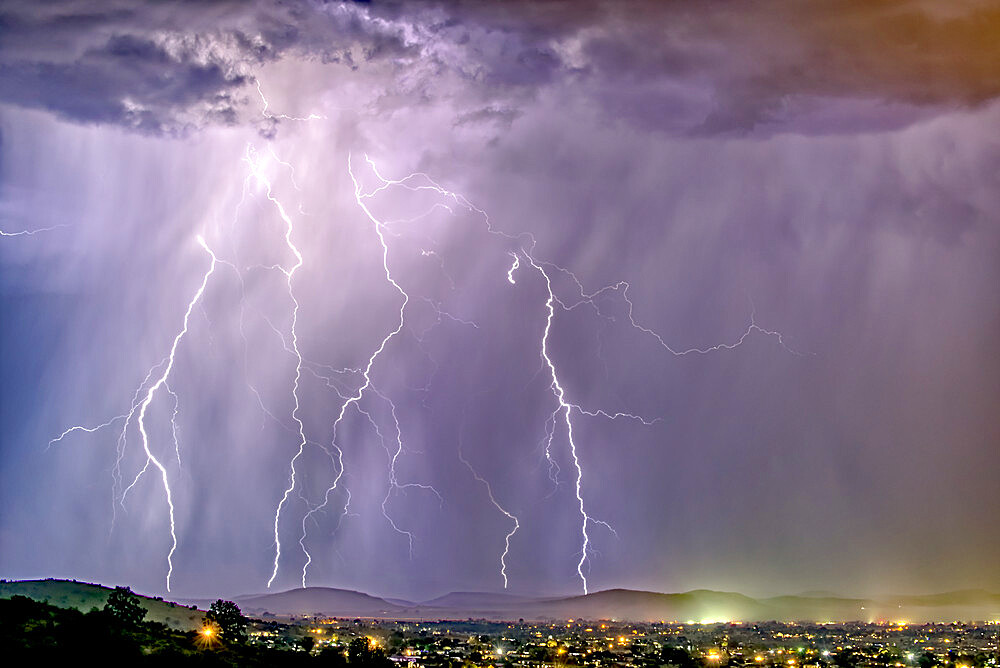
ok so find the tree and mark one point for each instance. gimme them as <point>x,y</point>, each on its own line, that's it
<point>362,653</point>
<point>124,606</point>
<point>231,622</point>
<point>845,659</point>
<point>676,656</point>
<point>927,660</point>
<point>333,657</point>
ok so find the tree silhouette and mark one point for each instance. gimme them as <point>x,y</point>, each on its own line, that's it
<point>124,606</point>
<point>676,656</point>
<point>362,653</point>
<point>927,660</point>
<point>333,657</point>
<point>845,659</point>
<point>231,622</point>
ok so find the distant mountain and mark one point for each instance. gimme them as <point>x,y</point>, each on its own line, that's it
<point>472,600</point>
<point>820,608</point>
<point>817,593</point>
<point>713,606</point>
<point>962,597</point>
<point>401,602</point>
<point>699,606</point>
<point>626,604</point>
<point>84,596</point>
<point>319,601</point>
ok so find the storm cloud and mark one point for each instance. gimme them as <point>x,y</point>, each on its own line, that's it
<point>680,67</point>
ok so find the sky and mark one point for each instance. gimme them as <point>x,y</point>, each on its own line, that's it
<point>540,297</point>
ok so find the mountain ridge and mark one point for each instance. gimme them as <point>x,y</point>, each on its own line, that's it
<point>698,605</point>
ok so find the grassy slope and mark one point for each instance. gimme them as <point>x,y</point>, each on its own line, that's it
<point>84,596</point>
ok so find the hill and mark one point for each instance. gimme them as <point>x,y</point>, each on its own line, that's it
<point>33,633</point>
<point>700,605</point>
<point>84,596</point>
<point>626,604</point>
<point>319,601</point>
<point>472,600</point>
<point>708,605</point>
<point>620,604</point>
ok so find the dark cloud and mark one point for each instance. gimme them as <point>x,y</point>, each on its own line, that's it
<point>705,67</point>
<point>501,116</point>
<point>168,67</point>
<point>730,67</point>
<point>129,81</point>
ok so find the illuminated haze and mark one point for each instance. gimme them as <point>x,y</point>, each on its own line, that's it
<point>828,171</point>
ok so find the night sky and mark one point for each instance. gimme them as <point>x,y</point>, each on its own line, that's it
<point>723,275</point>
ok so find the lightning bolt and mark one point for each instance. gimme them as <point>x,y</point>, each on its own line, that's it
<point>142,407</point>
<point>264,112</point>
<point>359,388</point>
<point>88,430</point>
<point>162,380</point>
<point>138,410</point>
<point>253,163</point>
<point>496,504</point>
<point>622,287</point>
<point>440,261</point>
<point>173,423</point>
<point>394,485</point>
<point>559,393</point>
<point>513,267</point>
<point>294,349</point>
<point>353,400</point>
<point>28,233</point>
<point>565,409</point>
<point>116,499</point>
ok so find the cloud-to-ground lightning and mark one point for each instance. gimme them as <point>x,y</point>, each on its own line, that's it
<point>357,387</point>
<point>394,484</point>
<point>366,376</point>
<point>251,159</point>
<point>352,399</point>
<point>496,504</point>
<point>564,409</point>
<point>166,366</point>
<point>151,392</point>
